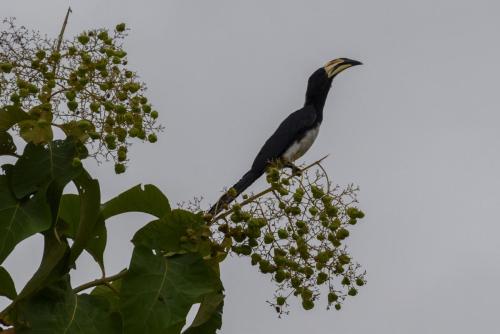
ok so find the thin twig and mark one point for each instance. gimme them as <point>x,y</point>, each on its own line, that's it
<point>263,192</point>
<point>100,281</point>
<point>63,28</point>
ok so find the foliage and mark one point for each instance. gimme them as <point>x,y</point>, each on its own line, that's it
<point>294,230</point>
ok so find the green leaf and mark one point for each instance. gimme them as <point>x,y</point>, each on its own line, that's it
<point>35,132</point>
<point>209,317</point>
<point>42,164</point>
<point>7,145</point>
<point>177,232</point>
<point>56,309</point>
<point>90,201</point>
<point>110,292</point>
<point>20,219</point>
<point>7,287</point>
<point>158,292</point>
<point>148,200</point>
<point>52,267</point>
<point>69,219</point>
<point>11,115</point>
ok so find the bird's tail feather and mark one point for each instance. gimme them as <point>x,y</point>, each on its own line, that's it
<point>240,187</point>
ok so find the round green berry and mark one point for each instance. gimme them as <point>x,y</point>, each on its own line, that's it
<point>119,168</point>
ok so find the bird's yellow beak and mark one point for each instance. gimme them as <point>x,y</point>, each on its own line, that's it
<point>334,67</point>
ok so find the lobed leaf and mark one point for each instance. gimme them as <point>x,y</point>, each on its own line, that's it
<point>56,309</point>
<point>7,287</point>
<point>178,231</point>
<point>148,200</point>
<point>42,164</point>
<point>20,219</point>
<point>158,292</point>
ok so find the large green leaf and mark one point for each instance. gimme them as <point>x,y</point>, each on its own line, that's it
<point>20,219</point>
<point>52,267</point>
<point>56,309</point>
<point>90,202</point>
<point>7,145</point>
<point>42,164</point>
<point>209,317</point>
<point>158,292</point>
<point>11,115</point>
<point>69,219</point>
<point>179,231</point>
<point>7,287</point>
<point>148,200</point>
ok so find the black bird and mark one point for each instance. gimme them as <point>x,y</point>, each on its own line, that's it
<point>296,133</point>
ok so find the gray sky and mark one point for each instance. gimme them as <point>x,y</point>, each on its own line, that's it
<point>416,128</point>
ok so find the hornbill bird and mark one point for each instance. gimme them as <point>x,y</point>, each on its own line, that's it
<point>295,134</point>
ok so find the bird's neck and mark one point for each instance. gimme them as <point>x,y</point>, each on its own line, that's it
<point>318,103</point>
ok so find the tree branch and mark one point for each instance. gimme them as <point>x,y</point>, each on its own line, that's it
<point>263,192</point>
<point>100,281</point>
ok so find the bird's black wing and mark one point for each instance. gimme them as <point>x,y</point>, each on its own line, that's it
<point>292,128</point>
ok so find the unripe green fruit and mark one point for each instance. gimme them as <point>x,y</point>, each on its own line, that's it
<point>84,39</point>
<point>72,105</point>
<point>70,95</point>
<point>72,50</point>
<point>332,297</point>
<point>322,278</point>
<point>346,281</point>
<point>40,54</point>
<point>344,259</point>
<point>306,294</point>
<point>280,276</point>
<point>335,224</point>
<point>280,300</point>
<point>360,282</point>
<point>256,258</point>
<point>268,238</point>
<point>332,211</point>
<point>307,304</point>
<point>353,221</point>
<point>122,156</point>
<point>120,27</point>
<point>154,114</point>
<point>338,307</point>
<point>282,233</point>
<point>119,168</point>
<point>122,96</point>
<point>286,182</point>
<point>316,192</point>
<point>342,233</point>
<point>116,60</point>
<point>313,210</point>
<point>102,35</point>
<point>295,281</point>
<point>120,109</point>
<point>352,292</point>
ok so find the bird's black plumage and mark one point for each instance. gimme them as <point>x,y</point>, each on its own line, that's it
<point>295,134</point>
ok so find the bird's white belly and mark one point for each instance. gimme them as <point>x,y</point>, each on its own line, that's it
<point>301,146</point>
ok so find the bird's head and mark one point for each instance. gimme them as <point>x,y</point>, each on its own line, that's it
<point>321,80</point>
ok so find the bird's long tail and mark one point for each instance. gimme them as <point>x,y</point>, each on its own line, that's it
<point>240,186</point>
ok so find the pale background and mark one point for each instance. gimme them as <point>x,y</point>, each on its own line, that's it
<point>416,128</point>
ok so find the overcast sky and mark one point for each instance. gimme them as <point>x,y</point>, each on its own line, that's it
<point>416,128</point>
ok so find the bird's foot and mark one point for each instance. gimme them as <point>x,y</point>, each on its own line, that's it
<point>296,171</point>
